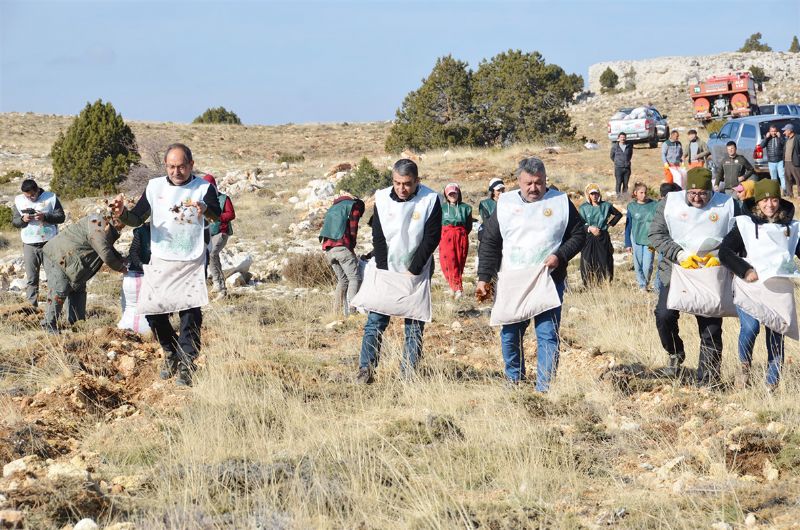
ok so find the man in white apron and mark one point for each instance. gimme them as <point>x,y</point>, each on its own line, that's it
<point>37,213</point>
<point>535,228</point>
<point>406,229</point>
<point>690,222</point>
<point>174,280</point>
<point>760,251</point>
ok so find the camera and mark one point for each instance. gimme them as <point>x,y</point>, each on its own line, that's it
<point>29,211</point>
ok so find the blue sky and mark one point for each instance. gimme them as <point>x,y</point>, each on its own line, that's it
<point>327,61</point>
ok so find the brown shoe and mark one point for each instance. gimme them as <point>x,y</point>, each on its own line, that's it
<point>742,379</point>
<point>364,376</point>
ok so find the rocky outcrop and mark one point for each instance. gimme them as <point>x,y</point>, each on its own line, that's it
<point>650,74</point>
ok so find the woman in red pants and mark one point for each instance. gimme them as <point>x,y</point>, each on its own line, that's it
<point>456,226</point>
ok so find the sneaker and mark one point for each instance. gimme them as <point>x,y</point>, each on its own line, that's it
<point>364,376</point>
<point>742,379</point>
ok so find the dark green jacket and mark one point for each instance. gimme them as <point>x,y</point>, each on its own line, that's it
<point>458,215</point>
<point>486,208</point>
<point>82,248</point>
<point>602,216</point>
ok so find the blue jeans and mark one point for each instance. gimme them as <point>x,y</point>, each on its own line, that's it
<point>748,331</point>
<point>373,338</point>
<point>776,172</point>
<point>643,263</point>
<point>547,340</point>
<point>658,284</point>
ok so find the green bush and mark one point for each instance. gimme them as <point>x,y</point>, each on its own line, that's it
<point>438,113</point>
<point>794,47</point>
<point>11,175</point>
<point>218,115</point>
<point>758,74</point>
<point>365,179</point>
<point>518,97</point>
<point>608,79</point>
<point>94,155</point>
<point>5,218</point>
<point>290,158</point>
<point>754,44</point>
<point>513,97</point>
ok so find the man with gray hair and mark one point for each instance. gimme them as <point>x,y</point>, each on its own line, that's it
<point>527,243</point>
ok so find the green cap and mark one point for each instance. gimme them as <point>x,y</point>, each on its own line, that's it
<point>698,178</point>
<point>767,188</point>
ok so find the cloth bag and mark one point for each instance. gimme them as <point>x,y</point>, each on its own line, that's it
<point>705,292</point>
<point>522,294</point>
<point>771,302</point>
<point>170,286</point>
<point>395,294</point>
<point>131,288</point>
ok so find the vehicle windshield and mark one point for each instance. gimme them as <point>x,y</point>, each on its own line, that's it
<point>767,109</point>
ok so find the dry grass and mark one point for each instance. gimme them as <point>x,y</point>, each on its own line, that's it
<point>275,434</point>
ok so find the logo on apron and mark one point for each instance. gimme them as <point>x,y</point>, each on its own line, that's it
<point>713,217</point>
<point>547,212</point>
<point>416,216</point>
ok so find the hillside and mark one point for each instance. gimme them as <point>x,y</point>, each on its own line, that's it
<point>274,434</point>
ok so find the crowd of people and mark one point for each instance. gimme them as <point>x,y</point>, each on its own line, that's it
<point>723,243</point>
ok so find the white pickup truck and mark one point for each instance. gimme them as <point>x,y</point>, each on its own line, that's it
<point>640,124</point>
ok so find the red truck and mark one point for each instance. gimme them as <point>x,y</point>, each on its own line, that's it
<point>724,96</point>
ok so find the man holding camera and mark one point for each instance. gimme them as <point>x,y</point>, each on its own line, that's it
<point>37,213</point>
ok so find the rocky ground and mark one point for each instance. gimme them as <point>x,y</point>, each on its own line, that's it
<point>275,435</point>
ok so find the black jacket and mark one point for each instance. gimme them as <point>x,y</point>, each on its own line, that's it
<point>430,239</point>
<point>729,171</point>
<point>774,148</point>
<point>621,158</point>
<point>732,250</point>
<point>490,251</point>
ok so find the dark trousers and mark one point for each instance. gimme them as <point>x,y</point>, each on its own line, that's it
<point>186,345</point>
<point>710,363</point>
<point>622,175</point>
<point>792,176</point>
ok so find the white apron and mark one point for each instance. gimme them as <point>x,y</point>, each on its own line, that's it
<point>169,286</point>
<point>531,231</point>
<point>708,291</point>
<point>131,288</point>
<point>176,231</point>
<point>699,230</point>
<point>770,300</point>
<point>395,292</point>
<point>403,224</point>
<point>522,294</point>
<point>37,231</point>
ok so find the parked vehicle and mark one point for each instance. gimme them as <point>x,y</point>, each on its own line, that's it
<point>724,96</point>
<point>640,124</point>
<point>748,133</point>
<point>787,109</point>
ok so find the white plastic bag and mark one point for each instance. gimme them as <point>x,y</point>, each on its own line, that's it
<point>131,287</point>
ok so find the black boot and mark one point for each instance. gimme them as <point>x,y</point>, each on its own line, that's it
<point>709,368</point>
<point>675,366</point>
<point>169,366</point>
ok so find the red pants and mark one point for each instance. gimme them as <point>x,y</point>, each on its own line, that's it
<point>453,254</point>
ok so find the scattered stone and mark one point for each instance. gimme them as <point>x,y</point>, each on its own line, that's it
<point>20,465</point>
<point>750,520</point>
<point>721,526</point>
<point>333,325</point>
<point>126,366</point>
<point>62,470</point>
<point>85,524</point>
<point>11,518</point>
